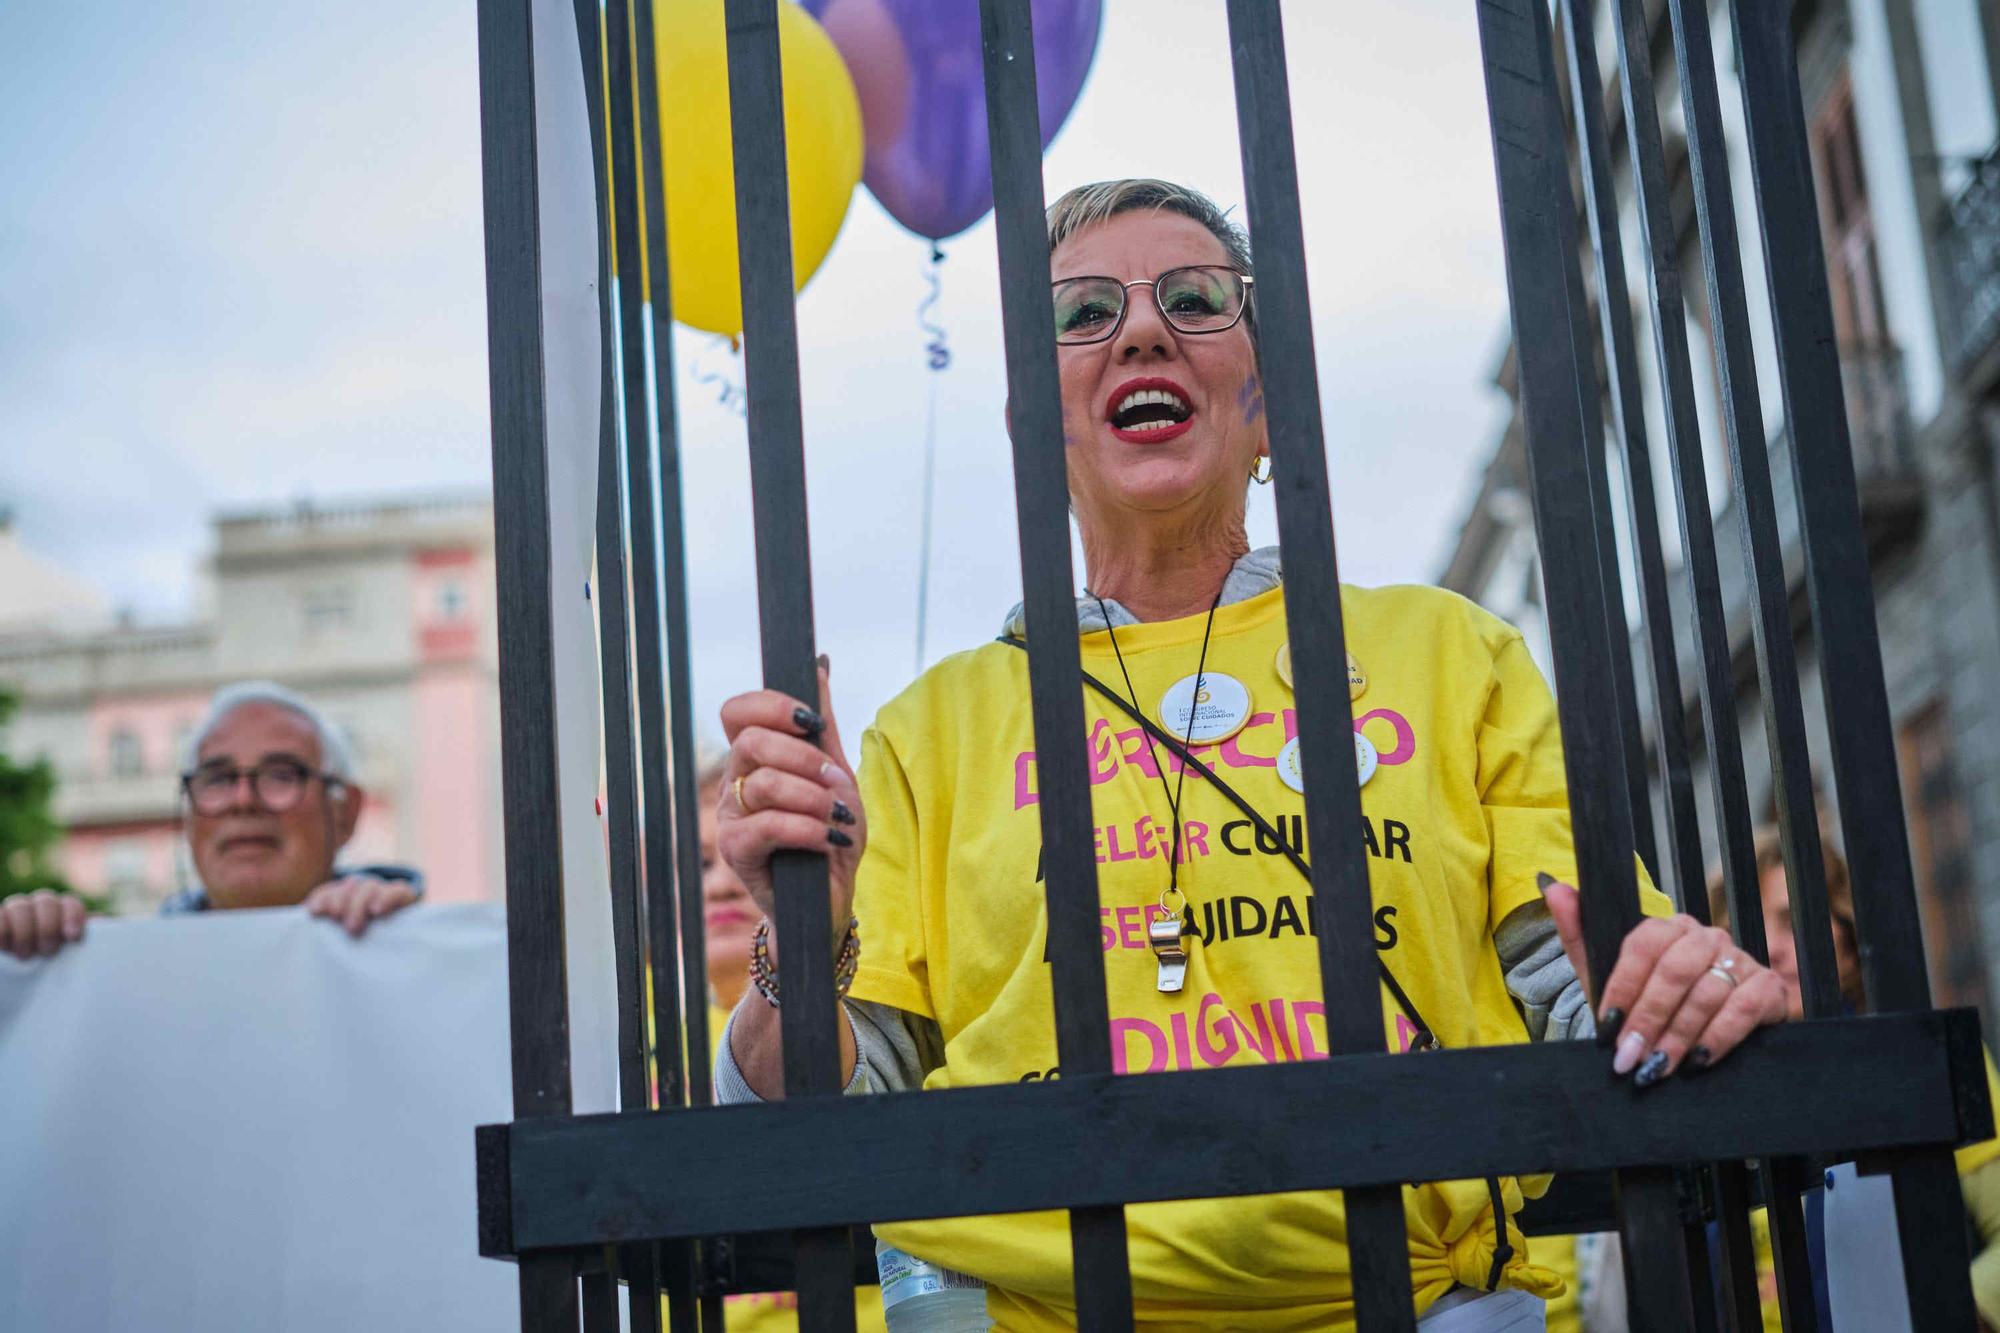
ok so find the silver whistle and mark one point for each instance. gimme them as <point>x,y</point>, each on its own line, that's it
<point>1165,935</point>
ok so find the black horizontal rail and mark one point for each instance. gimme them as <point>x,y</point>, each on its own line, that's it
<point>608,1179</point>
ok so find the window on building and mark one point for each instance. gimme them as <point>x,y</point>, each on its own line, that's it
<point>1846,224</point>
<point>1871,371</point>
<point>1941,843</point>
<point>127,758</point>
<point>451,600</point>
<point>328,609</point>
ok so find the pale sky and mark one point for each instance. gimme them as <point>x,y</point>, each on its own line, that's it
<point>241,255</point>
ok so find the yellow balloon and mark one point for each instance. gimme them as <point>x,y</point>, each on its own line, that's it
<point>822,153</point>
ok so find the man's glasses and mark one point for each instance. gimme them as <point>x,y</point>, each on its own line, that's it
<point>276,784</point>
<point>1204,298</point>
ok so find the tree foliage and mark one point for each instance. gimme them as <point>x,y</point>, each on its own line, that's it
<point>29,832</point>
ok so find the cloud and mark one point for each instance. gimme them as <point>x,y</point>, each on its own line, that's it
<point>243,254</point>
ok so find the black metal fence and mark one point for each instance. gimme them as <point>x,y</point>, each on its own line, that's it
<point>650,1196</point>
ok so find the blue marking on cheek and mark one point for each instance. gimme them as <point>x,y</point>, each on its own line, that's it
<point>1251,399</point>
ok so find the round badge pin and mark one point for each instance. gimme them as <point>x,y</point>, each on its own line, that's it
<point>1214,713</point>
<point>1292,773</point>
<point>1357,680</point>
<point>1289,771</point>
<point>1284,663</point>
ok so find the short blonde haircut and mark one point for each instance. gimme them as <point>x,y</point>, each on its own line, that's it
<point>1087,205</point>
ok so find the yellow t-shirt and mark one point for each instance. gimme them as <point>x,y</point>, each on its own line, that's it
<point>1465,805</point>
<point>778,1311</point>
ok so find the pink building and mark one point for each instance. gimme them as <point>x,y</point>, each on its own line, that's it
<point>380,612</point>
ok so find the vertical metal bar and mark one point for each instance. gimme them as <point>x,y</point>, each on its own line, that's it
<point>673,881</point>
<point>1545,288</point>
<point>1103,1280</point>
<point>1618,631</point>
<point>1841,590</point>
<point>638,759</point>
<point>1377,1236</point>
<point>1717,681</point>
<point>1784,718</point>
<point>686,853</point>
<point>1743,419</point>
<point>537,988</point>
<point>1621,361</point>
<point>627,170</point>
<point>600,1302</point>
<point>1727,1182</point>
<point>1652,192</point>
<point>784,586</point>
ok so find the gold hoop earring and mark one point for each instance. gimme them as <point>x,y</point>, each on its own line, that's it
<point>1262,478</point>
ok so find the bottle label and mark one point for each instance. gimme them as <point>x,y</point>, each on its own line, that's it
<point>905,1277</point>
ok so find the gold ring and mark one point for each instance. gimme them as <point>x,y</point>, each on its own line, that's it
<point>738,789</point>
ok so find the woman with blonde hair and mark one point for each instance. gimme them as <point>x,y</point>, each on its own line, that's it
<point>1207,921</point>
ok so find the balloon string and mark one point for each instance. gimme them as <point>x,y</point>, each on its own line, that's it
<point>727,382</point>
<point>939,354</point>
<point>938,349</point>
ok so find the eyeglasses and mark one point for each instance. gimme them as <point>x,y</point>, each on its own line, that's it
<point>1204,298</point>
<point>276,784</point>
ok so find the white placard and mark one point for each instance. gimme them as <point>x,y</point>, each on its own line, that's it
<point>248,1121</point>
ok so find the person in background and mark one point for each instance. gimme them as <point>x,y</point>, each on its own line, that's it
<point>730,918</point>
<point>1978,1163</point>
<point>269,799</point>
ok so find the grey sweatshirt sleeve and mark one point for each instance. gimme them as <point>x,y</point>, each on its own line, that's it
<point>1540,978</point>
<point>893,1051</point>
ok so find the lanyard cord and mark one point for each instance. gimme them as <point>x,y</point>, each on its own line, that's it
<point>1194,702</point>
<point>1426,1039</point>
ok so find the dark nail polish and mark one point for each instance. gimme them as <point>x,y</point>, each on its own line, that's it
<point>826,663</point>
<point>1697,1060</point>
<point>1543,879</point>
<point>808,721</point>
<point>841,814</point>
<point>1608,1024</point>
<point>838,839</point>
<point>1652,1071</point>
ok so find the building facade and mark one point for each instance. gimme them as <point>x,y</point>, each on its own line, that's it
<point>381,613</point>
<point>1903,100</point>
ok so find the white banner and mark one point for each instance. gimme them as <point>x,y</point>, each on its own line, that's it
<point>249,1121</point>
<point>573,360</point>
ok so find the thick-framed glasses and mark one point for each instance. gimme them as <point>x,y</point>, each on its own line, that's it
<point>277,785</point>
<point>1203,298</point>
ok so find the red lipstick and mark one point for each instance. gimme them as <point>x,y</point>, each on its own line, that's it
<point>1150,434</point>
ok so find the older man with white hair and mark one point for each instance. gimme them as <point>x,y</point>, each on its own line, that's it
<point>270,799</point>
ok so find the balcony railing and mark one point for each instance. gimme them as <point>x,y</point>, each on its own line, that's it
<point>1969,251</point>
<point>1878,412</point>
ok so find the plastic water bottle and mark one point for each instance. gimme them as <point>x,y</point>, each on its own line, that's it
<point>920,1297</point>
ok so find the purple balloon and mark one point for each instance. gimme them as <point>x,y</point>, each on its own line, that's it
<point>928,161</point>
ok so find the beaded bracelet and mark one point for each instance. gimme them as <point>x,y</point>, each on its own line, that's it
<point>765,977</point>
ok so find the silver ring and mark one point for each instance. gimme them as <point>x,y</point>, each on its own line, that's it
<point>1726,969</point>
